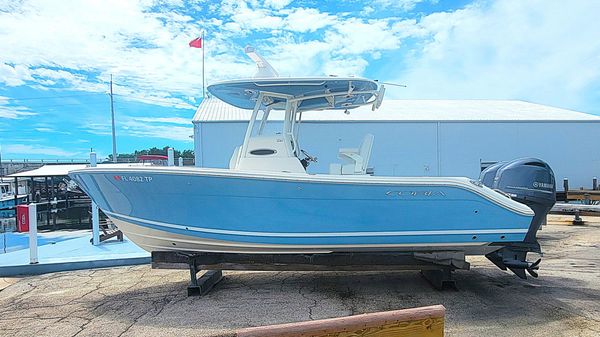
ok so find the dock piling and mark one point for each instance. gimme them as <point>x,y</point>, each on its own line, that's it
<point>170,157</point>
<point>33,247</point>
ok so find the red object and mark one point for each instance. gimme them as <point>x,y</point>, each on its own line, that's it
<point>22,218</point>
<point>152,157</point>
<point>196,43</point>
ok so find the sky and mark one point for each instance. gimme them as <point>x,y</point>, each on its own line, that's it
<point>56,59</point>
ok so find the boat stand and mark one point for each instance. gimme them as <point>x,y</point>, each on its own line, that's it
<point>440,279</point>
<point>201,286</point>
<point>435,267</point>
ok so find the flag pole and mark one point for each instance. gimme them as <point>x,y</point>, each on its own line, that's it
<point>203,46</point>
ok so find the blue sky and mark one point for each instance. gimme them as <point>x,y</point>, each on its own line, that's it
<point>57,57</point>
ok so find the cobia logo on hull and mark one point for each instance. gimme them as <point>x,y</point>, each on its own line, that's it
<point>134,179</point>
<point>416,193</point>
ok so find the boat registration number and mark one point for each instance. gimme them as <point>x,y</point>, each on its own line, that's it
<point>134,179</point>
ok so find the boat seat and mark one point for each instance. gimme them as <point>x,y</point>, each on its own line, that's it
<point>356,160</point>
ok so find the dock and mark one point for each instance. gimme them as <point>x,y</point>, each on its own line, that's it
<point>73,254</point>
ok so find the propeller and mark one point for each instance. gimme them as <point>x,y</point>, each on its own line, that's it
<point>533,267</point>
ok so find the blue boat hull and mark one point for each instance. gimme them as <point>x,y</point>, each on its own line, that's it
<point>162,209</point>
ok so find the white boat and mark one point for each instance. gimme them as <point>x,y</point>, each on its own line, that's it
<point>266,202</point>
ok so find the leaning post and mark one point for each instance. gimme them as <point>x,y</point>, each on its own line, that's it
<point>95,214</point>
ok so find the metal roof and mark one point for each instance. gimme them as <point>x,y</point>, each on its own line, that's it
<point>215,110</point>
<point>62,170</point>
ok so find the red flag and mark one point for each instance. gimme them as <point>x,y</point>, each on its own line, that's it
<point>196,43</point>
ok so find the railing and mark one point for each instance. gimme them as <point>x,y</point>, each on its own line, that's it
<point>10,166</point>
<point>44,161</point>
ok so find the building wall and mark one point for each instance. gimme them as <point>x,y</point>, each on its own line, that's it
<point>429,148</point>
<point>569,147</point>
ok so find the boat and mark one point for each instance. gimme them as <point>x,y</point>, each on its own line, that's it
<point>8,199</point>
<point>267,202</point>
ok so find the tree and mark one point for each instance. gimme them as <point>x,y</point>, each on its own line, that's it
<point>130,157</point>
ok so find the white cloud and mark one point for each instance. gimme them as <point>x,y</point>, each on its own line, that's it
<point>95,128</point>
<point>50,130</point>
<point>171,120</point>
<point>537,50</point>
<point>25,149</point>
<point>145,127</point>
<point>51,40</point>
<point>356,36</point>
<point>404,5</point>
<point>345,66</point>
<point>307,20</point>
<point>277,4</point>
<point>368,10</point>
<point>342,50</point>
<point>548,52</point>
<point>136,128</point>
<point>14,75</point>
<point>146,50</point>
<point>249,18</point>
<point>13,111</point>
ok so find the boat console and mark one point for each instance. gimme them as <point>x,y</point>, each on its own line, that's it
<point>281,152</point>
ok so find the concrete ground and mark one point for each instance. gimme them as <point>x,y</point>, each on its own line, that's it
<point>132,301</point>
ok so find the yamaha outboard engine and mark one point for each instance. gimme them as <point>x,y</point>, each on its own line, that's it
<point>529,181</point>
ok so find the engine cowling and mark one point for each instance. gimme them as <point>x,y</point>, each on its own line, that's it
<point>529,181</point>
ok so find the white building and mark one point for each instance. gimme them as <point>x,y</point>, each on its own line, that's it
<point>424,137</point>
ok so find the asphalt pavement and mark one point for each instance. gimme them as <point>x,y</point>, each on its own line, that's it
<point>135,301</point>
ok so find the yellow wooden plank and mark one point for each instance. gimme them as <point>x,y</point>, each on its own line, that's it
<point>418,328</point>
<point>414,322</point>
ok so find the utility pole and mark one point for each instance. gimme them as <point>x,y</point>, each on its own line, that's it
<point>1,168</point>
<point>203,87</point>
<point>112,111</point>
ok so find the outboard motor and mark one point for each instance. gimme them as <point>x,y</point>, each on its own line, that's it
<point>529,181</point>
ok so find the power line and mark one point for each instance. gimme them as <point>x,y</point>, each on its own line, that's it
<point>149,99</point>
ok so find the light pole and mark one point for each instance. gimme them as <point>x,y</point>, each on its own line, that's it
<point>112,112</point>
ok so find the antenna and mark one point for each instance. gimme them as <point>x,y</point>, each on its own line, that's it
<point>393,84</point>
<point>265,70</point>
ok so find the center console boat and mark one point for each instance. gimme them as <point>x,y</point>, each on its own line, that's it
<point>267,203</point>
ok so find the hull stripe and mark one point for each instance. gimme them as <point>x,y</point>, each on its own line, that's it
<point>319,234</point>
